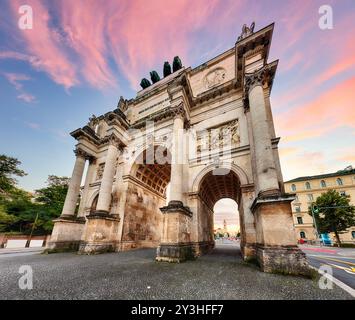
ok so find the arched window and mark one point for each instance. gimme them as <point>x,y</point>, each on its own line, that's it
<point>339,182</point>
<point>293,187</point>
<point>308,185</point>
<point>323,184</point>
<point>303,235</point>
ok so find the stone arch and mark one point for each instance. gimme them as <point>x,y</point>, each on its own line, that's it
<point>93,201</point>
<point>227,182</point>
<point>92,197</point>
<point>153,176</point>
<point>132,158</point>
<point>243,178</point>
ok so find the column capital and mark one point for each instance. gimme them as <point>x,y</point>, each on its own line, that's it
<point>112,140</point>
<point>261,77</point>
<point>83,154</point>
<point>179,111</point>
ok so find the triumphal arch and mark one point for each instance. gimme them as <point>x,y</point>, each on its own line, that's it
<point>158,163</point>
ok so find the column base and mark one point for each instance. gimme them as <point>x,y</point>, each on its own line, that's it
<point>204,247</point>
<point>248,251</point>
<point>66,234</point>
<point>285,260</point>
<point>96,247</point>
<point>100,234</point>
<point>178,252</point>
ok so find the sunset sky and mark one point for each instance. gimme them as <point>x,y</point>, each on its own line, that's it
<point>82,55</point>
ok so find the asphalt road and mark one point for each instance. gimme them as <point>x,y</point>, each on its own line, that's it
<point>135,275</point>
<point>341,260</point>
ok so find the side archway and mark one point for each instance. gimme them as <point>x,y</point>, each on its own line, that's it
<point>211,185</point>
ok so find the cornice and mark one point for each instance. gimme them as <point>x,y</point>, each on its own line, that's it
<point>116,117</point>
<point>86,133</point>
<point>166,113</point>
<point>83,154</point>
<point>176,206</point>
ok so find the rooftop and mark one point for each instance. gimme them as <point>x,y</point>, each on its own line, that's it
<point>344,172</point>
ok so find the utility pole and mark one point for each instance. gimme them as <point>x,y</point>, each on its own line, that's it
<point>33,227</point>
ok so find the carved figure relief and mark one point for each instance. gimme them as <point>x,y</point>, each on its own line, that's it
<point>219,137</point>
<point>214,77</point>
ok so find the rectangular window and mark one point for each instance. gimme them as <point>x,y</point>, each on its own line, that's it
<point>310,197</point>
<point>299,220</point>
<point>298,209</point>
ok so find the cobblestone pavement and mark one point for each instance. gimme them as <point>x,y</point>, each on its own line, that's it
<point>135,275</point>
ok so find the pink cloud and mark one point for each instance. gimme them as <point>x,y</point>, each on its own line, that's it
<point>140,34</point>
<point>15,79</point>
<point>345,61</point>
<point>42,43</point>
<point>26,97</point>
<point>304,163</point>
<point>84,24</point>
<point>319,63</point>
<point>330,110</point>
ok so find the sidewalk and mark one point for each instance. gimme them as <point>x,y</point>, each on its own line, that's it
<point>20,250</point>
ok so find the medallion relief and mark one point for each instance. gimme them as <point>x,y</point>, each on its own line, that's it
<point>214,77</point>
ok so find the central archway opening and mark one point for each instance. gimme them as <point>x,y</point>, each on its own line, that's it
<point>220,194</point>
<point>226,222</point>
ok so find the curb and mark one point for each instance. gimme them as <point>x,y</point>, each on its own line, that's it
<point>19,251</point>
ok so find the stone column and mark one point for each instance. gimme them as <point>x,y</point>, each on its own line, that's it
<point>275,242</point>
<point>68,228</point>
<point>101,229</point>
<point>177,152</point>
<point>266,171</point>
<point>74,185</point>
<point>176,245</point>
<point>88,180</point>
<point>105,194</point>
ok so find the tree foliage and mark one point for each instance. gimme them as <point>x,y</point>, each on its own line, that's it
<point>18,209</point>
<point>335,214</point>
<point>9,167</point>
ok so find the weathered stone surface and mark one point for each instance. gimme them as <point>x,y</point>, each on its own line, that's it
<point>175,252</point>
<point>66,234</point>
<point>285,260</point>
<point>100,234</point>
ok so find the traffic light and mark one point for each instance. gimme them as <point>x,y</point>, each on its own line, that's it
<point>315,209</point>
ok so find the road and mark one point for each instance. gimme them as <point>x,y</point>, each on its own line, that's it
<point>135,275</point>
<point>341,260</point>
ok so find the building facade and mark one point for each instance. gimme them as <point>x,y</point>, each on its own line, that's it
<point>307,189</point>
<point>209,133</point>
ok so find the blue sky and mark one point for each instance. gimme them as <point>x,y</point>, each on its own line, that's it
<point>82,56</point>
